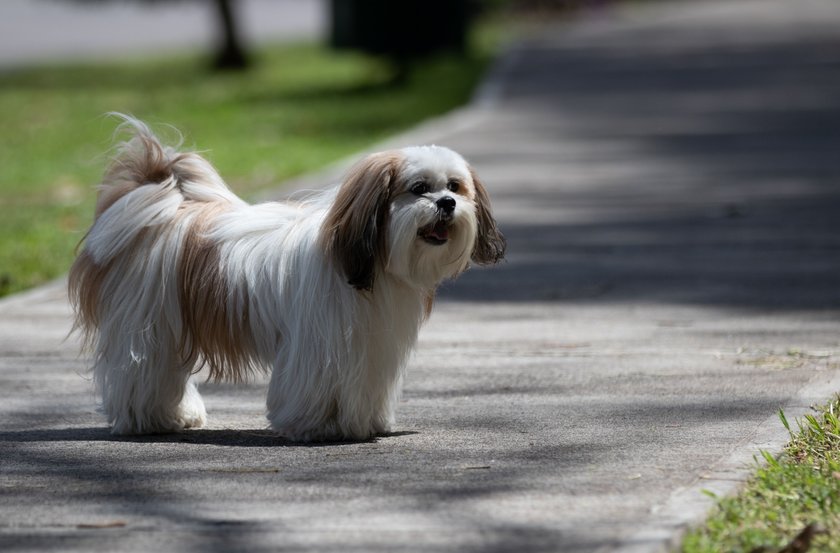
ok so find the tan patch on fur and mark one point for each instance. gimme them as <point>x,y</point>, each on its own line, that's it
<point>84,285</point>
<point>355,227</point>
<point>428,303</point>
<point>464,189</point>
<point>213,334</point>
<point>490,244</point>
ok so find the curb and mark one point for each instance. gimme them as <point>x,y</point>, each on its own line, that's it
<point>689,506</point>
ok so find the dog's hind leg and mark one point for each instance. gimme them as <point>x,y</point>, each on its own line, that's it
<point>146,390</point>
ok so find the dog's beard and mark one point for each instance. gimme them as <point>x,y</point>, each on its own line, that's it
<point>423,262</point>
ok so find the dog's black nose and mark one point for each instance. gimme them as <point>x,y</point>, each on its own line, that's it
<point>446,204</point>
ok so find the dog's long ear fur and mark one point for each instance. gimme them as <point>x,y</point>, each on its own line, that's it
<point>354,232</point>
<point>490,244</point>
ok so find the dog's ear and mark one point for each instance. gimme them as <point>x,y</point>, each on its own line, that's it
<point>490,244</point>
<point>354,231</point>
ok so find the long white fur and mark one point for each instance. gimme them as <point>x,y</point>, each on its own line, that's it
<point>336,353</point>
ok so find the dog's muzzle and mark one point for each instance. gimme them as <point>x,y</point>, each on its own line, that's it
<point>437,233</point>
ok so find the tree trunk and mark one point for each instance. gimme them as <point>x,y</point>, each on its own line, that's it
<point>231,54</point>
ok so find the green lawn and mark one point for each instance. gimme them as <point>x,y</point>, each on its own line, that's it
<point>800,488</point>
<point>299,108</point>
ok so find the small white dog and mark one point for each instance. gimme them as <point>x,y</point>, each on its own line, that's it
<point>177,273</point>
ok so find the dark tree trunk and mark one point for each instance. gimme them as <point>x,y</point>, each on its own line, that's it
<point>231,54</point>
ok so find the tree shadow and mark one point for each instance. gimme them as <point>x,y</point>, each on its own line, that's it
<point>699,175</point>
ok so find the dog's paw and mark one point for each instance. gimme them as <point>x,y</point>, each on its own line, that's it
<point>191,411</point>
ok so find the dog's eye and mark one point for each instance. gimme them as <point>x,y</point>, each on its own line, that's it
<point>420,188</point>
<point>453,185</point>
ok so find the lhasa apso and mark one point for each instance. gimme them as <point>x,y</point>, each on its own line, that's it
<point>328,293</point>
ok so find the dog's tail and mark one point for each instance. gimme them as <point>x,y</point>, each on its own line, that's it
<point>144,186</point>
<point>144,160</point>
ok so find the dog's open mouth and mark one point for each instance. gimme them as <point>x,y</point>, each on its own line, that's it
<point>435,234</point>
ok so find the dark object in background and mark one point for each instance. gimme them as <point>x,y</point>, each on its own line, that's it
<point>230,53</point>
<point>400,30</point>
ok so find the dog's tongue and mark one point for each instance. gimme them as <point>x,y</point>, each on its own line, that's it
<point>437,233</point>
<point>440,231</point>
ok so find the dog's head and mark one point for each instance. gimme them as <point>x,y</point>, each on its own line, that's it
<point>419,213</point>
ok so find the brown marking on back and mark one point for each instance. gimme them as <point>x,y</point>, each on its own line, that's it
<point>213,333</point>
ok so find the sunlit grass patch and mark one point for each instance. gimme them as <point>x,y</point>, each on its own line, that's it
<point>800,489</point>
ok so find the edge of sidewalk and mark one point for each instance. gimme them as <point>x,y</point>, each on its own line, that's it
<point>42,293</point>
<point>687,507</point>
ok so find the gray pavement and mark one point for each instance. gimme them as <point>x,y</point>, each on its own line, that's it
<point>667,175</point>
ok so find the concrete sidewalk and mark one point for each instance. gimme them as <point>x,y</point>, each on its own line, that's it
<point>667,176</point>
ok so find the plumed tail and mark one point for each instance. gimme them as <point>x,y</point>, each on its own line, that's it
<point>144,186</point>
<point>144,160</point>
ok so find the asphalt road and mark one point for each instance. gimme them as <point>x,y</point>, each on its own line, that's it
<point>667,176</point>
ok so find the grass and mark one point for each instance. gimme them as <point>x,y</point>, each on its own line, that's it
<point>301,107</point>
<point>785,495</point>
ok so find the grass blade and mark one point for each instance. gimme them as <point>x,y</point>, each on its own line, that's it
<point>784,420</point>
<point>772,461</point>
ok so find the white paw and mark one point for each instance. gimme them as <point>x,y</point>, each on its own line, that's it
<point>191,412</point>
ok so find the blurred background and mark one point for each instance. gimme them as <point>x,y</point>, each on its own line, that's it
<point>271,89</point>
<point>268,89</point>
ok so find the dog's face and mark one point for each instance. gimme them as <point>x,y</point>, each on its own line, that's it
<point>420,214</point>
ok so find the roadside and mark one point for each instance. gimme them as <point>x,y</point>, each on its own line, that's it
<point>790,503</point>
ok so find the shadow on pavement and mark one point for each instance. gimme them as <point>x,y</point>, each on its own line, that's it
<point>773,255</point>
<point>675,170</point>
<point>225,437</point>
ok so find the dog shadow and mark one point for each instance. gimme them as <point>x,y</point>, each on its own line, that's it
<point>217,437</point>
